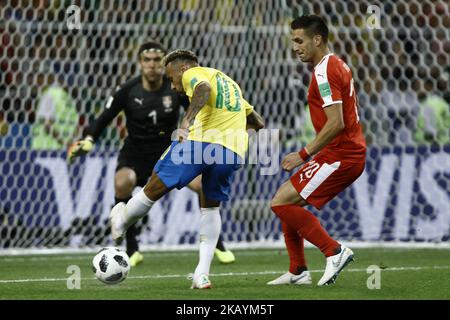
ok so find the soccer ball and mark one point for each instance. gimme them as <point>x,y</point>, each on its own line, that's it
<point>111,265</point>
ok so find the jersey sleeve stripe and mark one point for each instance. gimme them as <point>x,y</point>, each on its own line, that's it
<point>331,103</point>
<point>320,73</point>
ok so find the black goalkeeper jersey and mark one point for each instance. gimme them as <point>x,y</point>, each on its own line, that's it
<point>151,116</point>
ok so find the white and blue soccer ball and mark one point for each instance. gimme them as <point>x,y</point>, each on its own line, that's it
<point>111,265</point>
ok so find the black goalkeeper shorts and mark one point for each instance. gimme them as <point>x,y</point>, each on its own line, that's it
<point>140,159</point>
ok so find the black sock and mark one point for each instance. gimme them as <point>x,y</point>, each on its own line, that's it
<point>338,250</point>
<point>131,238</point>
<point>301,269</point>
<point>117,200</point>
<point>220,245</point>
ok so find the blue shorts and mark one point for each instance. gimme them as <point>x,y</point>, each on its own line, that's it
<point>182,162</point>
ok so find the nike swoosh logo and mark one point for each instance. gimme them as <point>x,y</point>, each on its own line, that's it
<point>294,279</point>
<point>138,101</point>
<point>338,262</point>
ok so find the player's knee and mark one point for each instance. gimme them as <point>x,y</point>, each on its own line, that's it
<point>276,206</point>
<point>278,199</point>
<point>124,189</point>
<point>124,182</point>
<point>155,188</point>
<point>287,195</point>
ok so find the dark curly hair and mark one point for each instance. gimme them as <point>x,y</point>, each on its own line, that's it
<point>180,54</point>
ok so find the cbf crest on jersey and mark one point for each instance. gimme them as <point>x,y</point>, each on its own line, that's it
<point>167,103</point>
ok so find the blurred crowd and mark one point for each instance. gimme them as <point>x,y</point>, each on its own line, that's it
<point>54,80</point>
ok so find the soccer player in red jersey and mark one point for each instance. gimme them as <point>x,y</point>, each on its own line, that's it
<point>331,161</point>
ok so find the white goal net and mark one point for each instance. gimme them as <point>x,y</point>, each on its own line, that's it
<point>399,52</point>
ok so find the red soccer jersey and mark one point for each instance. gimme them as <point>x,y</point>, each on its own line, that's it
<point>331,83</point>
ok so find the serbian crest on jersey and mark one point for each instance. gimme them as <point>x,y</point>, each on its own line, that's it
<point>167,103</point>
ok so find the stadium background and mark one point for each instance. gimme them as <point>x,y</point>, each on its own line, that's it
<point>401,71</point>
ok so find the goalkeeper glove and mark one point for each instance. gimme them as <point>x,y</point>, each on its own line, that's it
<point>80,148</point>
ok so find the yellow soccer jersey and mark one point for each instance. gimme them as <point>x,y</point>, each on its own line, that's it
<point>224,118</point>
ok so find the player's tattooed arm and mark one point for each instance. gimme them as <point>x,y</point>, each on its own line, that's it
<point>199,98</point>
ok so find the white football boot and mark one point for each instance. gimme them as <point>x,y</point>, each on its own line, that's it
<point>117,222</point>
<point>202,282</point>
<point>335,264</point>
<point>290,278</point>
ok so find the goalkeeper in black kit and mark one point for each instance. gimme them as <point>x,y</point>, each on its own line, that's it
<point>152,111</point>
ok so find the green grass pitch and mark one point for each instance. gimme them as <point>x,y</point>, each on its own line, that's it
<point>406,274</point>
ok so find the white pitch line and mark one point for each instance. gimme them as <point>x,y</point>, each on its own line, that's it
<point>228,274</point>
<point>90,256</point>
<point>83,257</point>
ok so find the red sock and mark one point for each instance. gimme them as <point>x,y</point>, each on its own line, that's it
<point>308,226</point>
<point>295,248</point>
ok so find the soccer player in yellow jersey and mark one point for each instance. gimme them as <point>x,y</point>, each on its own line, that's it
<point>211,141</point>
